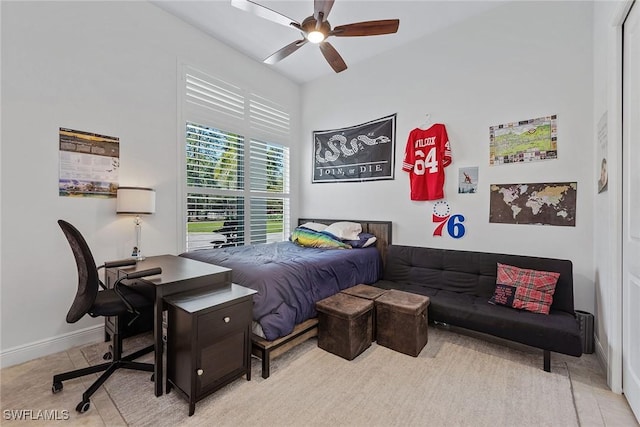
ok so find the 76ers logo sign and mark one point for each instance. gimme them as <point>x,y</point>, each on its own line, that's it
<point>442,216</point>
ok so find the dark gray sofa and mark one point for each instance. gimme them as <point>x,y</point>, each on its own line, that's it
<point>460,284</point>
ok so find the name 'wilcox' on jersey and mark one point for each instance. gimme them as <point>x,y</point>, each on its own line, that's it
<point>427,153</point>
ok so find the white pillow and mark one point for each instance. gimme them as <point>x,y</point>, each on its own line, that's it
<point>315,226</point>
<point>345,230</point>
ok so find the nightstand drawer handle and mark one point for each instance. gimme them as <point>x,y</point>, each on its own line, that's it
<point>227,319</point>
<point>200,372</point>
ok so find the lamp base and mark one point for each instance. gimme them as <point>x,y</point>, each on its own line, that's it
<point>137,254</point>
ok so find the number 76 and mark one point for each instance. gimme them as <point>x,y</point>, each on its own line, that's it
<point>455,228</point>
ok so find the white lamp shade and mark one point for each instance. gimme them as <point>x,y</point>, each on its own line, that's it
<point>136,200</point>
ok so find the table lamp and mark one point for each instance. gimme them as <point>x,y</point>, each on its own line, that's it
<point>136,201</point>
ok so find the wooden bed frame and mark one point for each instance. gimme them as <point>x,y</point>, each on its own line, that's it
<point>267,350</point>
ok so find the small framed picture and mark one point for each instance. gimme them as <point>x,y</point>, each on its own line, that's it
<point>468,180</point>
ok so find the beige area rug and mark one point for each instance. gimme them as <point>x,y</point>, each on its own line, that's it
<point>457,380</point>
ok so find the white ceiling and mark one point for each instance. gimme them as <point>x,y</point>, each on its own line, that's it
<point>258,38</point>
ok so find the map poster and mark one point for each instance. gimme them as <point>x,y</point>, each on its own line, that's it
<point>88,164</point>
<point>525,141</point>
<point>542,204</point>
<point>358,153</point>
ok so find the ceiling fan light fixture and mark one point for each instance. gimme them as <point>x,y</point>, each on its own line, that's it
<point>315,36</point>
<point>316,29</point>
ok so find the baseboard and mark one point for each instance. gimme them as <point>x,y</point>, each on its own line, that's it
<point>24,353</point>
<point>602,357</point>
<point>600,353</point>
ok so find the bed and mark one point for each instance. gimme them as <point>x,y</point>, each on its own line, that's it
<point>290,279</point>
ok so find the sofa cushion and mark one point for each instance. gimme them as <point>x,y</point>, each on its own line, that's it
<point>524,288</point>
<point>557,332</point>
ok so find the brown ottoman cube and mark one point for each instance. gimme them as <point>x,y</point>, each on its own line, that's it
<point>344,325</point>
<point>401,319</point>
<point>366,292</point>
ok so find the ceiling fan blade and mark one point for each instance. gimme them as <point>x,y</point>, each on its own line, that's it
<point>333,57</point>
<point>265,12</point>
<point>322,6</point>
<point>285,51</point>
<point>368,28</point>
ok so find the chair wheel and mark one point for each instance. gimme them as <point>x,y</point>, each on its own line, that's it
<point>83,406</point>
<point>153,377</point>
<point>56,387</point>
<point>107,356</point>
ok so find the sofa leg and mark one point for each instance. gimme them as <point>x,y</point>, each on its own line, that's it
<point>547,361</point>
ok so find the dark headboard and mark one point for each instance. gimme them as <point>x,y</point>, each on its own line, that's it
<point>380,229</point>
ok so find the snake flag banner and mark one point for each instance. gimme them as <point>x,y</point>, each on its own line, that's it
<point>358,153</point>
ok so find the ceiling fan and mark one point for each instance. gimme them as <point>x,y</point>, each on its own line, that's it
<point>316,29</point>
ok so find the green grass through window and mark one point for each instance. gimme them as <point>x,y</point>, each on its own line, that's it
<point>273,226</point>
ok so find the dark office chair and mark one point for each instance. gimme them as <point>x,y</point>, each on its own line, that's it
<point>119,301</point>
<point>229,231</point>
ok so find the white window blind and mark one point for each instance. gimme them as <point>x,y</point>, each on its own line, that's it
<point>214,94</point>
<point>269,165</point>
<point>243,132</point>
<point>269,173</point>
<point>267,117</point>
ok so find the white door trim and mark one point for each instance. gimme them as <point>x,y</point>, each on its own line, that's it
<point>614,351</point>
<point>630,206</point>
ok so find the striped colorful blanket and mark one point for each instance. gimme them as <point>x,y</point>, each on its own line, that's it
<point>316,239</point>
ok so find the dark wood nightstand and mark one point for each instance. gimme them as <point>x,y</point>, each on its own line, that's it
<point>208,340</point>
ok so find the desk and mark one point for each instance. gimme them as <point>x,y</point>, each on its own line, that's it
<point>178,275</point>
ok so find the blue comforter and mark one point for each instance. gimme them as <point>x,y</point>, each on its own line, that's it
<point>290,279</point>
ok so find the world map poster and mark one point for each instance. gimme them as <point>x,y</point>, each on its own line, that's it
<point>542,204</point>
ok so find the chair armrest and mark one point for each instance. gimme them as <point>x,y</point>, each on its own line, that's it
<point>111,264</point>
<point>143,273</point>
<point>133,275</point>
<point>119,263</point>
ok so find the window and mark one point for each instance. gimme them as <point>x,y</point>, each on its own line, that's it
<point>224,205</point>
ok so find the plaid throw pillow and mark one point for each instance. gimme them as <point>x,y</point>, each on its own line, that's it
<point>525,289</point>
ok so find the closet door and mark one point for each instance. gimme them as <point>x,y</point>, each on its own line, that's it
<point>631,209</point>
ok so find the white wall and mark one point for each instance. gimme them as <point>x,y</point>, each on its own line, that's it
<point>111,68</point>
<point>517,61</point>
<point>103,67</point>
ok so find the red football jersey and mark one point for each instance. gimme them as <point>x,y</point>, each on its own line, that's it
<point>427,154</point>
